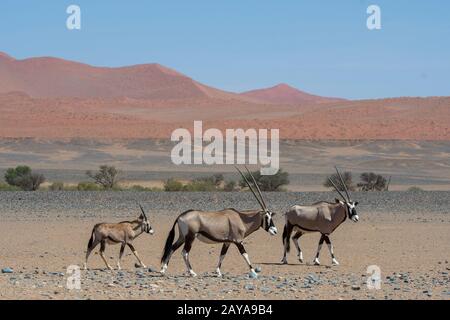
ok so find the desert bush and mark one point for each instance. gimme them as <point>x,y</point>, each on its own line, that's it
<point>24,178</point>
<point>139,188</point>
<point>346,176</point>
<point>200,185</point>
<point>88,186</point>
<point>372,182</point>
<point>7,187</point>
<point>415,189</point>
<point>173,185</point>
<point>268,183</point>
<point>56,186</point>
<point>230,186</point>
<point>107,176</point>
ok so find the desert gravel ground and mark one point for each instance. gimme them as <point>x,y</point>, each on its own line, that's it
<point>406,234</point>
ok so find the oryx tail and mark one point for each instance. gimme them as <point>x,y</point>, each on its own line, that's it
<point>170,238</point>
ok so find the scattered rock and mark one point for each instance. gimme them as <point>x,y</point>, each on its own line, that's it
<point>7,270</point>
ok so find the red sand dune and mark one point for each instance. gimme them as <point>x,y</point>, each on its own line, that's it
<point>285,94</point>
<point>53,98</point>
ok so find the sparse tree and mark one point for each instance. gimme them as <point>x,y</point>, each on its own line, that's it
<point>107,176</point>
<point>24,178</point>
<point>346,176</point>
<point>372,182</point>
<point>268,183</point>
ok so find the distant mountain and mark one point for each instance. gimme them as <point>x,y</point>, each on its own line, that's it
<point>285,94</point>
<point>52,77</point>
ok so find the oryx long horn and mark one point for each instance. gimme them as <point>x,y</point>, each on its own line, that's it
<point>343,183</point>
<point>143,212</point>
<point>251,189</point>
<point>257,187</point>
<point>337,190</point>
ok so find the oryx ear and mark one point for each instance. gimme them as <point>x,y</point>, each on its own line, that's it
<point>273,214</point>
<point>356,203</point>
<point>141,217</point>
<point>337,200</point>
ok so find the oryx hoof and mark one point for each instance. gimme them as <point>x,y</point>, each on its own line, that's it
<point>253,274</point>
<point>316,262</point>
<point>300,260</point>
<point>218,273</point>
<point>334,262</point>
<point>192,273</point>
<point>284,261</point>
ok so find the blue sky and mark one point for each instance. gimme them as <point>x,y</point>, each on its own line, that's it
<point>323,47</point>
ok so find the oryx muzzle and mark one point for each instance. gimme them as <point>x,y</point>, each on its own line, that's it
<point>323,217</point>
<point>114,233</point>
<point>229,226</point>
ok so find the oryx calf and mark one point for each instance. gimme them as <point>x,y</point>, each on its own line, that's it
<point>323,217</point>
<point>114,233</point>
<point>229,226</point>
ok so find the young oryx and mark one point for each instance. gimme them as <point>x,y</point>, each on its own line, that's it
<point>113,233</point>
<point>323,217</point>
<point>229,226</point>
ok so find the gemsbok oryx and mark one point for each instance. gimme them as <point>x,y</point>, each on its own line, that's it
<point>229,226</point>
<point>114,233</point>
<point>323,217</point>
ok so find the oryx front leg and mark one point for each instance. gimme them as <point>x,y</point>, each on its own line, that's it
<point>223,252</point>
<point>102,254</point>
<point>136,255</point>
<point>295,239</point>
<point>330,247</point>
<point>246,258</point>
<point>185,253</point>
<point>319,247</point>
<point>122,249</point>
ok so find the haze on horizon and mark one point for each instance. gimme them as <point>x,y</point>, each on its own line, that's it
<point>323,48</point>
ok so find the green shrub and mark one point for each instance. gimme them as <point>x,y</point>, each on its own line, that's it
<point>173,185</point>
<point>56,186</point>
<point>268,183</point>
<point>7,187</point>
<point>24,178</point>
<point>88,186</point>
<point>230,186</point>
<point>415,189</point>
<point>106,176</point>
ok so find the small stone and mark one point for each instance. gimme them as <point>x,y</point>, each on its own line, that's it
<point>356,287</point>
<point>249,287</point>
<point>7,270</point>
<point>258,270</point>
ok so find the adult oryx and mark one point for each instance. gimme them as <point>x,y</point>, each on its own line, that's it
<point>114,233</point>
<point>229,226</point>
<point>323,217</point>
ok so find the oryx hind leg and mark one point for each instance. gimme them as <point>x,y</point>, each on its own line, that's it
<point>102,254</point>
<point>136,255</point>
<point>319,247</point>
<point>223,252</point>
<point>246,258</point>
<point>173,248</point>
<point>187,248</point>
<point>330,248</point>
<point>295,239</point>
<point>90,248</point>
<point>286,236</point>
